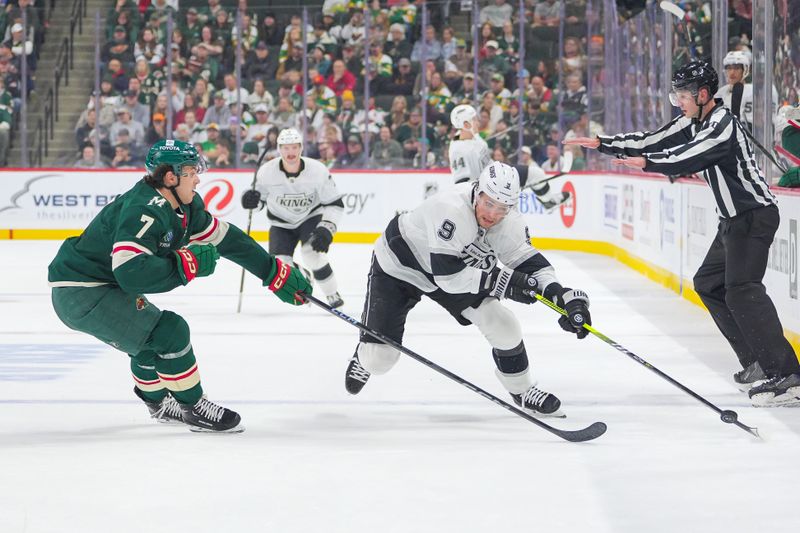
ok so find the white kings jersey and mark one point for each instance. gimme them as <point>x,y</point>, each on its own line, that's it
<point>468,158</point>
<point>745,111</point>
<point>439,245</point>
<point>291,200</point>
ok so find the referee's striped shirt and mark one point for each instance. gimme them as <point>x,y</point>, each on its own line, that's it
<point>716,146</point>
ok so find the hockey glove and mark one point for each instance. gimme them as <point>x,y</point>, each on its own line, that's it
<point>322,236</point>
<point>507,283</point>
<point>196,261</point>
<point>251,199</point>
<point>286,282</point>
<point>576,303</point>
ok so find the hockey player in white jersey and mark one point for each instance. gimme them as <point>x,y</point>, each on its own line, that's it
<point>736,94</point>
<point>466,249</point>
<point>469,155</point>
<point>303,205</point>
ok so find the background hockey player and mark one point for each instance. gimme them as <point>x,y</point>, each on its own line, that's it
<point>466,249</point>
<point>469,155</point>
<point>708,138</point>
<point>737,94</point>
<point>155,237</point>
<point>303,205</point>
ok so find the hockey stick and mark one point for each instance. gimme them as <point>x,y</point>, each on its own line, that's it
<point>588,433</point>
<point>250,222</point>
<point>764,151</point>
<point>680,14</point>
<point>727,416</point>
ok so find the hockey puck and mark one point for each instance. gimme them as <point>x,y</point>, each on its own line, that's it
<point>729,417</point>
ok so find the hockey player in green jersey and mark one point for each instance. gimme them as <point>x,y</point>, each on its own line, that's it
<point>155,237</point>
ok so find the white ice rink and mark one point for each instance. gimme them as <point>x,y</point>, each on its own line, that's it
<point>414,452</point>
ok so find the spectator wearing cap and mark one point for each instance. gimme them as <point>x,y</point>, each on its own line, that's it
<point>341,79</point>
<point>347,113</point>
<point>258,131</point>
<point>319,60</point>
<point>21,49</point>
<point>354,31</point>
<point>497,13</point>
<point>324,96</point>
<point>35,27</point>
<point>409,135</point>
<point>260,95</point>
<point>525,156</point>
<point>123,158</point>
<point>462,59</point>
<point>215,148</point>
<point>397,46</point>
<point>386,152</point>
<point>118,47</point>
<point>269,31</point>
<point>512,77</point>
<point>219,113</point>
<point>402,80</point>
<point>139,112</point>
<point>125,122</point>
<point>354,157</point>
<point>467,90</point>
<point>322,38</point>
<point>433,48</point>
<point>502,95</point>
<point>260,63</point>
<point>493,63</point>
<point>157,130</point>
<point>284,116</point>
<point>192,27</point>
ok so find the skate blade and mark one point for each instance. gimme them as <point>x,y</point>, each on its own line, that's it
<point>783,400</point>
<point>169,422</point>
<point>558,413</point>
<point>235,429</point>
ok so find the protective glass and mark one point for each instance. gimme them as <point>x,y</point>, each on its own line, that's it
<point>676,97</point>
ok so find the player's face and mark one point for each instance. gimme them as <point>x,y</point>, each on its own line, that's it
<point>734,73</point>
<point>187,185</point>
<point>290,153</point>
<point>488,212</point>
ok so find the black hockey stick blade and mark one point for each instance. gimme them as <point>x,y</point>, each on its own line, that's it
<point>581,435</point>
<point>727,416</point>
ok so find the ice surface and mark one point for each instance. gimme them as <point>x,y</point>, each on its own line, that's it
<point>413,452</point>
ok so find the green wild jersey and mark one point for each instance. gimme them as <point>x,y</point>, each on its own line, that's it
<point>131,243</point>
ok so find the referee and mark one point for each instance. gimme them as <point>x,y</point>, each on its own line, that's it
<point>707,138</point>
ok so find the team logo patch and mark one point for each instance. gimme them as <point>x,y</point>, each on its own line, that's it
<point>141,303</point>
<point>166,240</point>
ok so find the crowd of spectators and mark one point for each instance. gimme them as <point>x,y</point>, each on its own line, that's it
<point>22,32</point>
<point>415,76</point>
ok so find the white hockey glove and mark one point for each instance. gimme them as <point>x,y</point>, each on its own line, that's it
<point>507,283</point>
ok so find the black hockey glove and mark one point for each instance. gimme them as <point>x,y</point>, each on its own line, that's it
<point>322,236</point>
<point>506,283</point>
<point>251,199</point>
<point>576,303</point>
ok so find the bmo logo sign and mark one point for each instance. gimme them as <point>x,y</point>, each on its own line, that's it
<point>218,197</point>
<point>569,208</point>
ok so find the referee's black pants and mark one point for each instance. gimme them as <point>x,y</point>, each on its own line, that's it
<point>730,284</point>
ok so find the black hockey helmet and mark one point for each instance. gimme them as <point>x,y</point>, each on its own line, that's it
<point>694,75</point>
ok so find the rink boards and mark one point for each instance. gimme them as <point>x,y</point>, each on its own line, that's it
<point>660,229</point>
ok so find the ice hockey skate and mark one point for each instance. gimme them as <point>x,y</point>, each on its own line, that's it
<point>167,411</point>
<point>356,376</point>
<point>777,392</point>
<point>335,300</point>
<point>539,403</point>
<point>206,416</point>
<point>749,377</point>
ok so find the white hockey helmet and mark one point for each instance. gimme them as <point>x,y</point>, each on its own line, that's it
<point>290,136</point>
<point>500,182</point>
<point>737,57</point>
<point>462,113</point>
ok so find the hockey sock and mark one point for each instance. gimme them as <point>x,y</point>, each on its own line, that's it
<point>512,368</point>
<point>175,363</point>
<point>326,280</point>
<point>144,375</point>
